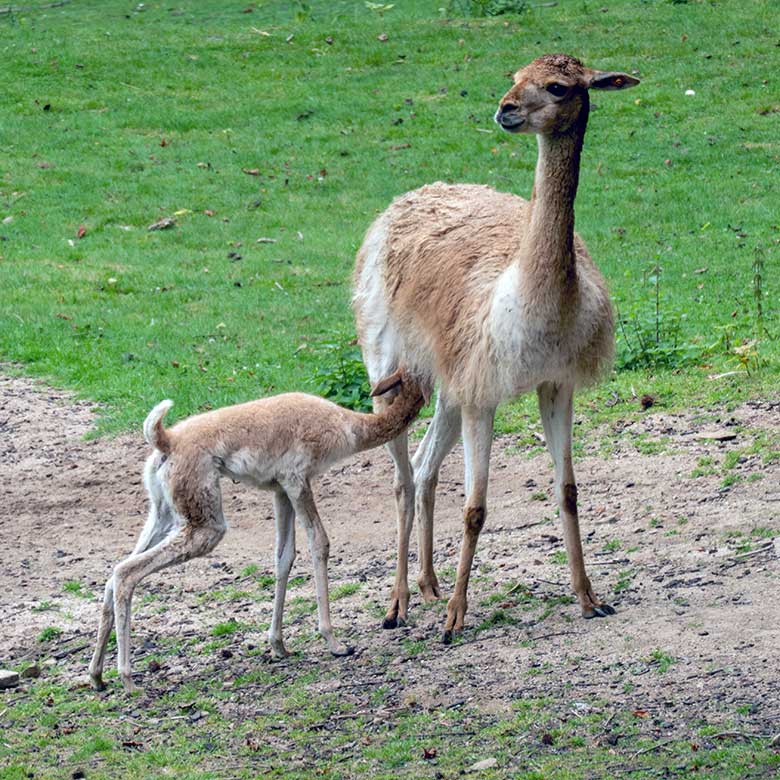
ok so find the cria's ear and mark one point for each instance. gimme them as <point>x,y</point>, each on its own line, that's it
<point>388,383</point>
<point>599,79</point>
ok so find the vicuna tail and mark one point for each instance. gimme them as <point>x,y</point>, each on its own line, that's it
<point>154,433</point>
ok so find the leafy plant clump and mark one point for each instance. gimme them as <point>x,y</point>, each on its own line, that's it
<point>653,339</point>
<point>343,379</point>
<point>484,8</point>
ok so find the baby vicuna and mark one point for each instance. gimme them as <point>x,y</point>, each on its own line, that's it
<point>277,444</point>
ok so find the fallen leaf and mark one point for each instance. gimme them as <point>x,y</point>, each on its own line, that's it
<point>429,753</point>
<point>251,171</point>
<point>640,713</point>
<point>382,37</point>
<point>81,232</point>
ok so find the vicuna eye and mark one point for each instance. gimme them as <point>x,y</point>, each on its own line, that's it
<point>557,89</point>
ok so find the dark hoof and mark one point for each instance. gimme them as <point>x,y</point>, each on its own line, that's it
<point>604,610</point>
<point>348,650</point>
<point>447,637</point>
<point>389,622</point>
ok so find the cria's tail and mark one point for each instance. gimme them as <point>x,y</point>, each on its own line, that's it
<point>154,433</point>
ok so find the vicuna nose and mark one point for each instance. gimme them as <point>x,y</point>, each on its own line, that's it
<point>506,108</point>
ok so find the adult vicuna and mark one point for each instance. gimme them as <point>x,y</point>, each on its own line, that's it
<point>492,296</point>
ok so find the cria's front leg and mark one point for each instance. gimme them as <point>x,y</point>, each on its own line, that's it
<point>284,515</point>
<point>306,511</point>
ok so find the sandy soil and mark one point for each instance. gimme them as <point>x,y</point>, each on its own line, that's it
<point>669,551</point>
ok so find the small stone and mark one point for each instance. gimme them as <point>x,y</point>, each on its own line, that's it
<point>31,672</point>
<point>8,679</point>
<point>717,435</point>
<point>486,763</point>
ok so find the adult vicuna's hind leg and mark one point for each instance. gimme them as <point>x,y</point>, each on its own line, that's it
<point>439,439</point>
<point>403,487</point>
<point>555,406</point>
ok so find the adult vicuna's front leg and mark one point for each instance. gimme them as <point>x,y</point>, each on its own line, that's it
<point>319,544</point>
<point>477,441</point>
<point>555,406</point>
<point>284,516</point>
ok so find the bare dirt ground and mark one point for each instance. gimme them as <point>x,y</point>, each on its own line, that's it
<point>692,567</point>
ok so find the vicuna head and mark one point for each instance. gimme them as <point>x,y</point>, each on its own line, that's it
<point>551,95</point>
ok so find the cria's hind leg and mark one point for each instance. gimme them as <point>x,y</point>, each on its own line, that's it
<point>104,631</point>
<point>185,544</point>
<point>555,406</point>
<point>200,525</point>
<point>158,526</point>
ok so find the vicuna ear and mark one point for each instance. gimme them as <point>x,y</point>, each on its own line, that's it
<point>601,80</point>
<point>388,383</point>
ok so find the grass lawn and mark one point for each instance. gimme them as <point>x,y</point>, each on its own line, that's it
<point>296,122</point>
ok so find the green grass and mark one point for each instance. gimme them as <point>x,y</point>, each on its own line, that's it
<point>57,729</point>
<point>49,633</point>
<point>225,629</point>
<point>115,118</point>
<point>342,591</point>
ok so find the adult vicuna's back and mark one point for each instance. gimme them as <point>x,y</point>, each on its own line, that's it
<point>491,296</point>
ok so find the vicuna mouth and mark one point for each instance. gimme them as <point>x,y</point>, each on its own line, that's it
<point>509,122</point>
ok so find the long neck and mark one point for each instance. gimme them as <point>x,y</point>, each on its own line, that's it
<point>373,430</point>
<point>549,240</point>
